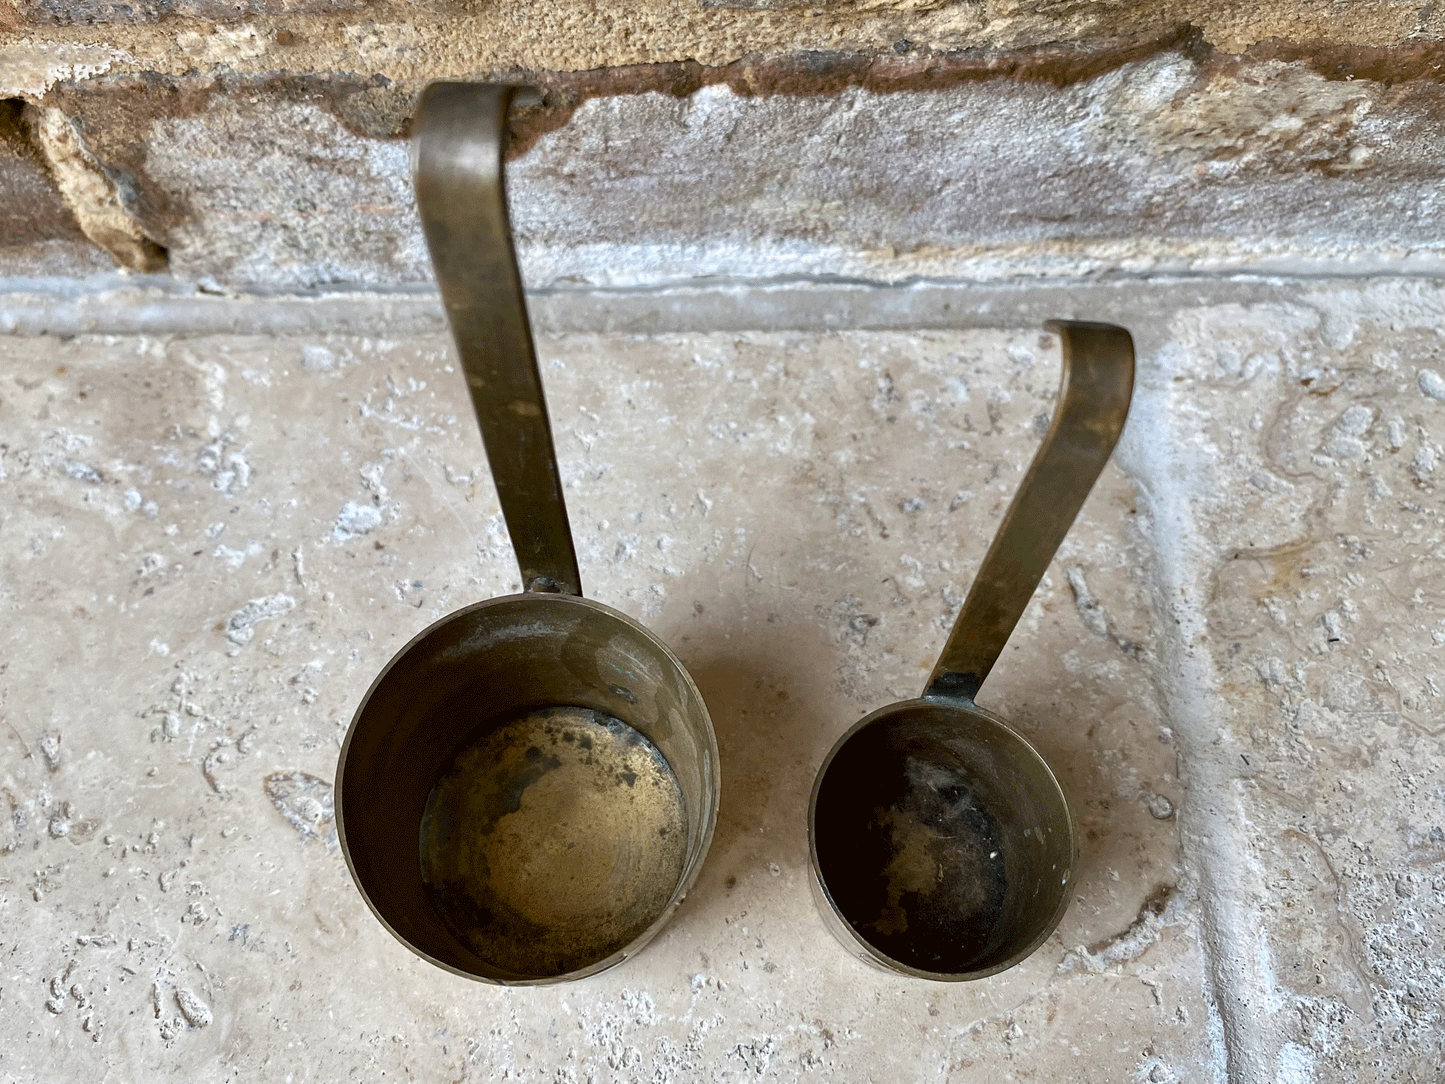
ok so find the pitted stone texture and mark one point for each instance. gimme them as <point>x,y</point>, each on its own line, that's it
<point>38,234</point>
<point>1162,165</point>
<point>419,38</point>
<point>1320,538</point>
<point>215,543</point>
<point>124,12</point>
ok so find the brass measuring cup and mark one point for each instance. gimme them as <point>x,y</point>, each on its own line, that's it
<point>529,788</point>
<point>942,846</point>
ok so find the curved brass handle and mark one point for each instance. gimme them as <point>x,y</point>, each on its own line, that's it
<point>1093,402</point>
<point>460,133</point>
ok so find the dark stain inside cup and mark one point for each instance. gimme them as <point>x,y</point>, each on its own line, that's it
<point>911,854</point>
<point>553,840</point>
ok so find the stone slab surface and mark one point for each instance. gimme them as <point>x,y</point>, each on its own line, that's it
<point>1319,547</point>
<point>211,543</point>
<point>462,36</point>
<point>1167,164</point>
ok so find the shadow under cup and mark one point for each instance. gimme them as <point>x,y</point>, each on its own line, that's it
<point>528,789</point>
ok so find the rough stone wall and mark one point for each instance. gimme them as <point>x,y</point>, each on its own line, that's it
<point>421,39</point>
<point>259,144</point>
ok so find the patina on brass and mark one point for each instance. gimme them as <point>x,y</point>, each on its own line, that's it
<point>942,845</point>
<point>528,789</point>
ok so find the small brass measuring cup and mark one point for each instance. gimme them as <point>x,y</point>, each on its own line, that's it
<point>529,788</point>
<point>942,845</point>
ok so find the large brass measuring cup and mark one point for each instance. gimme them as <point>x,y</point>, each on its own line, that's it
<point>528,789</point>
<point>942,845</point>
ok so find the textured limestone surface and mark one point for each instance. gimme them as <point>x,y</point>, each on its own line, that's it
<point>1320,640</point>
<point>1168,163</point>
<point>211,543</point>
<point>38,232</point>
<point>404,37</point>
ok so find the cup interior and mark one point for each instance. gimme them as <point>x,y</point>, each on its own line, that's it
<point>941,840</point>
<point>528,789</point>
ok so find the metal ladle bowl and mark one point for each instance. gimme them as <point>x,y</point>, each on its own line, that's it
<point>942,845</point>
<point>529,788</point>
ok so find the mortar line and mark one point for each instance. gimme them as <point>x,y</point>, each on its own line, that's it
<point>1263,270</point>
<point>155,306</point>
<point>1165,463</point>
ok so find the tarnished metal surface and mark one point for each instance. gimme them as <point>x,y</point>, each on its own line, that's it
<point>942,844</point>
<point>460,131</point>
<point>916,851</point>
<point>1093,402</point>
<point>552,841</point>
<point>529,788</point>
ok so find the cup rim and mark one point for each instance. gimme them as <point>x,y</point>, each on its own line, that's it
<point>833,916</point>
<point>690,873</point>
